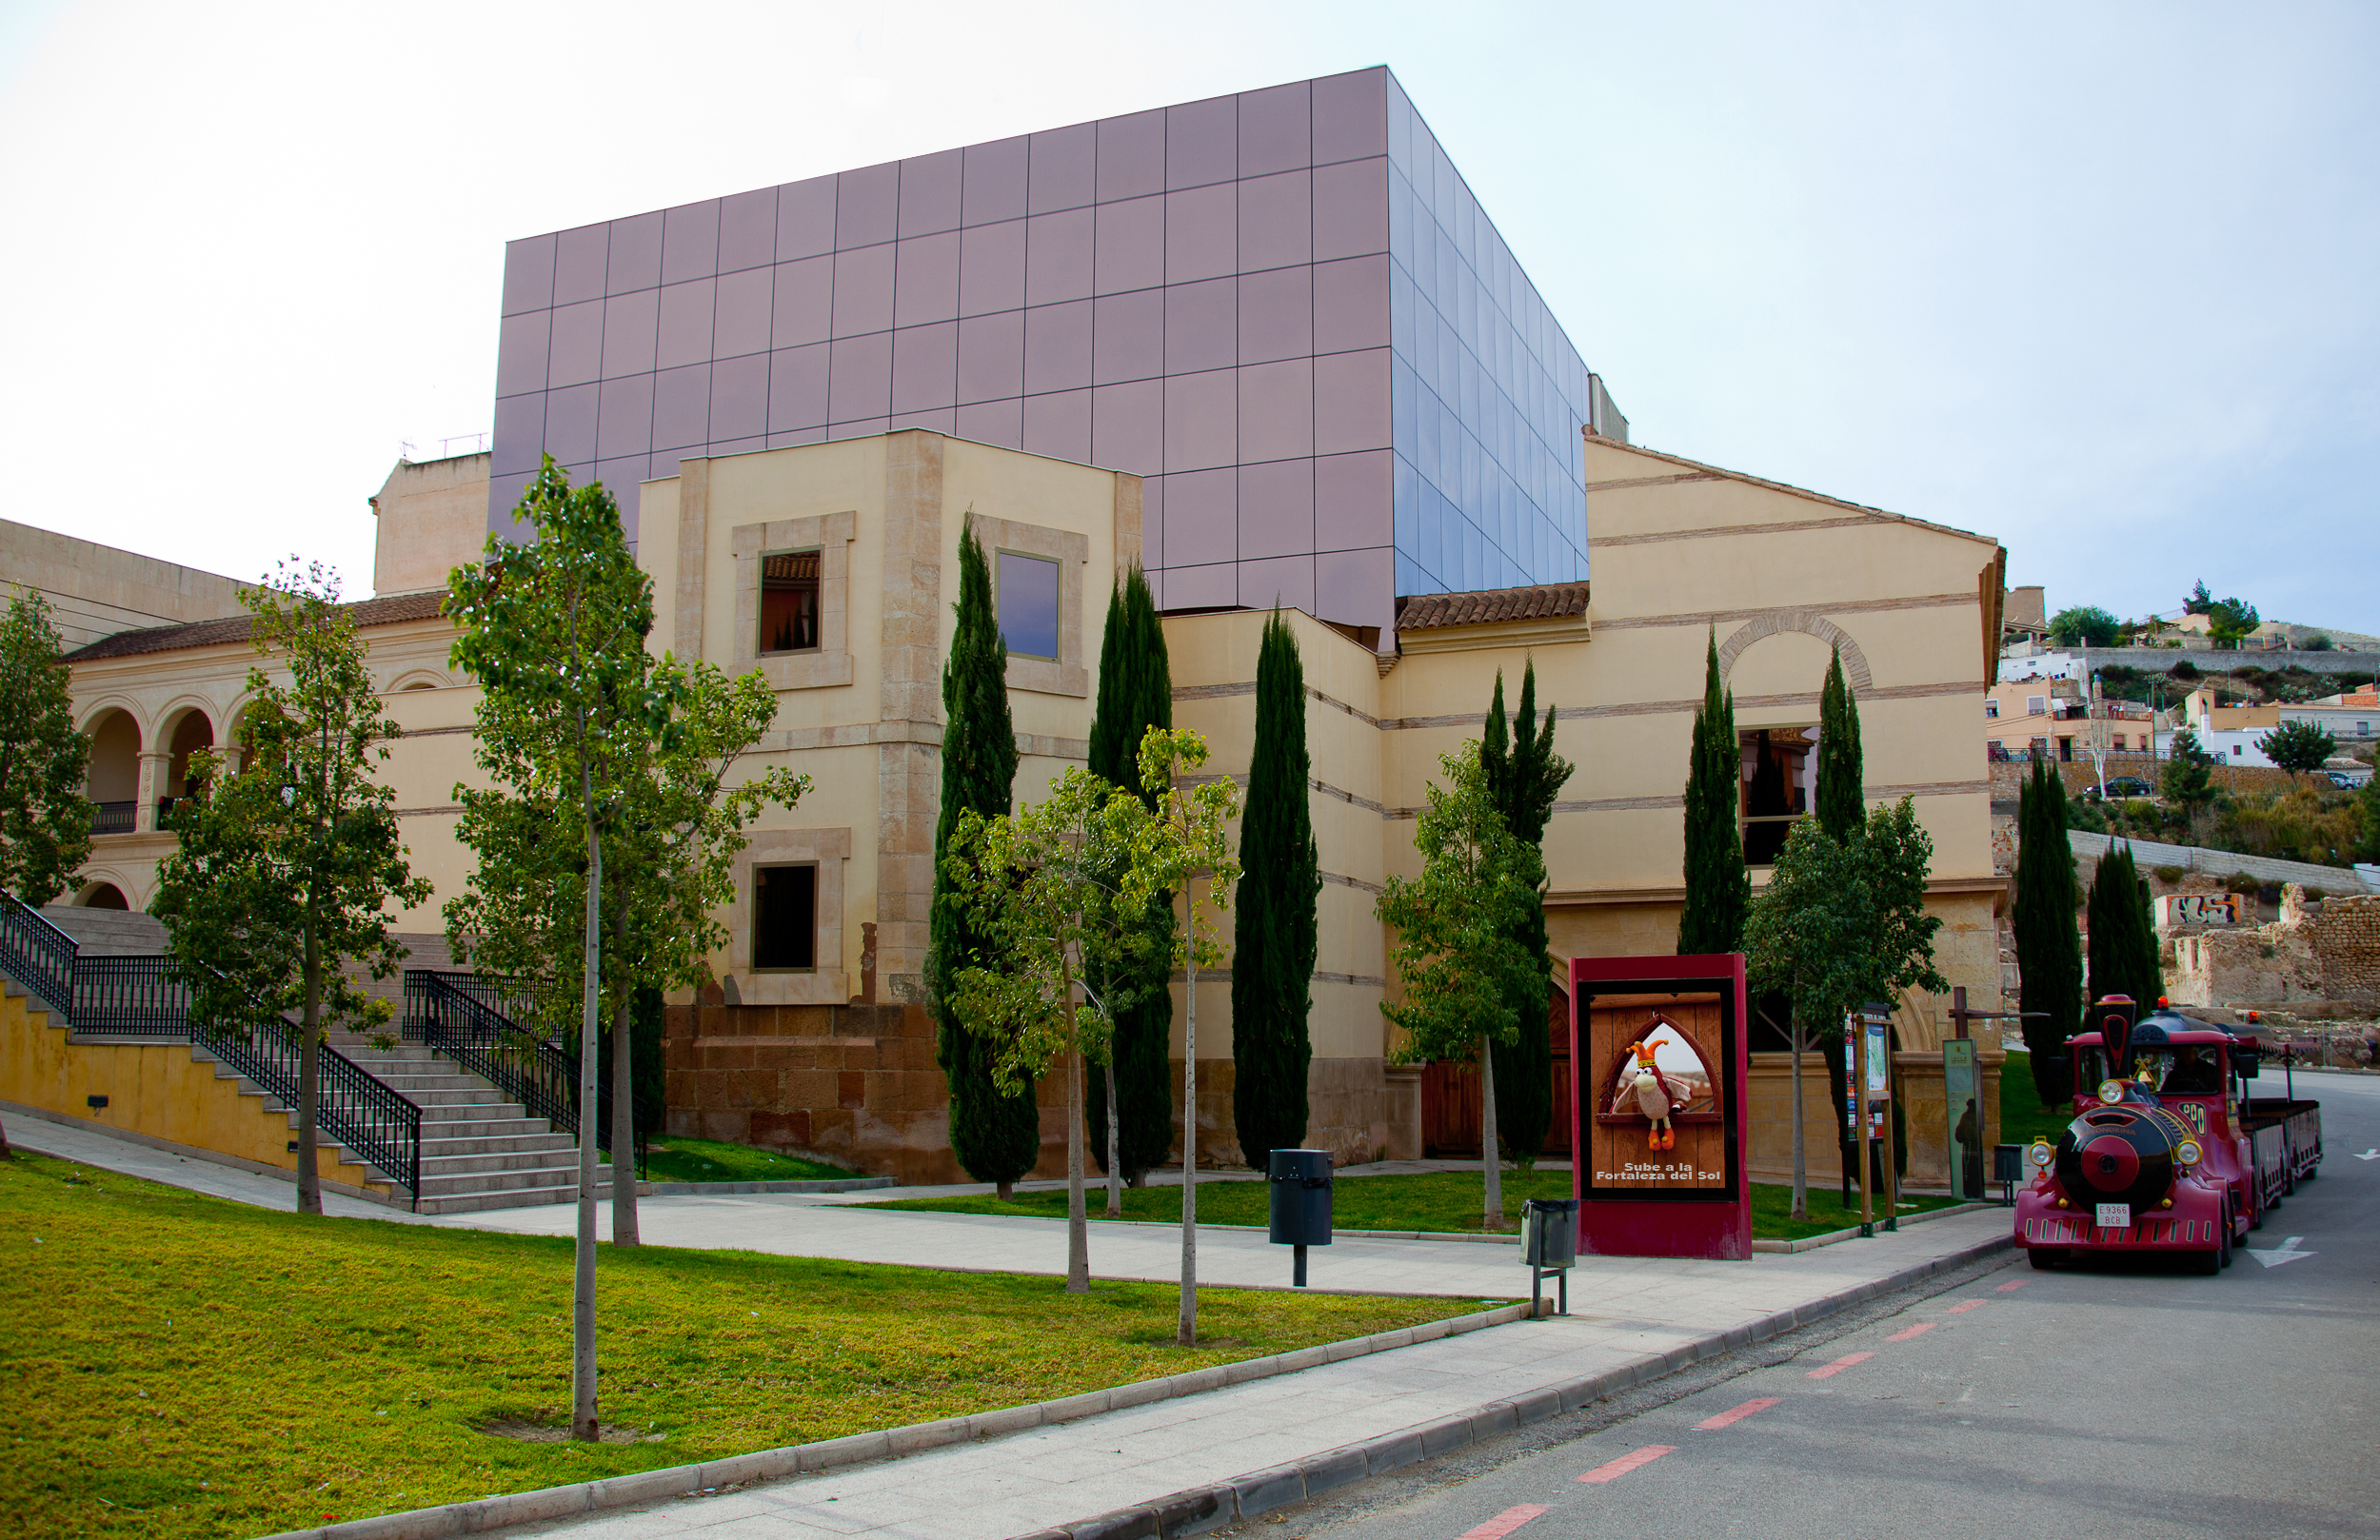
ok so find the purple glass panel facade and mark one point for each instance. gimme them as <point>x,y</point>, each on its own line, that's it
<point>1284,309</point>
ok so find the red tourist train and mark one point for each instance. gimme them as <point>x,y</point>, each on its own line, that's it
<point>2168,1153</point>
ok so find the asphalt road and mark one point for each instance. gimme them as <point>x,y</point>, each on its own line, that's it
<point>2118,1399</point>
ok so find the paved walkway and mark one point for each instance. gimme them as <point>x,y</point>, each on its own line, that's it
<point>1625,1309</point>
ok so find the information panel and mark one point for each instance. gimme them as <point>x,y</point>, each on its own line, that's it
<point>1657,1045</point>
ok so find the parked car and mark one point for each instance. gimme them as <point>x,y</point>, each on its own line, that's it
<point>2122,787</point>
<point>2344,780</point>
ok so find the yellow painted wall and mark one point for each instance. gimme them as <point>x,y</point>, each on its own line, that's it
<point>163,1091</point>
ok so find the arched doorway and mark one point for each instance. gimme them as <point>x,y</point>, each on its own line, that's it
<point>191,732</point>
<point>114,784</point>
<point>102,895</point>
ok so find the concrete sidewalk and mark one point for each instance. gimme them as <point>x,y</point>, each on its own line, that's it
<point>1221,1454</point>
<point>1196,1462</point>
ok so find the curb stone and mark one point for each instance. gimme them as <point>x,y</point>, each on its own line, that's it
<point>802,1459</point>
<point>1205,1508</point>
<point>825,1184</point>
<point>1811,1243</point>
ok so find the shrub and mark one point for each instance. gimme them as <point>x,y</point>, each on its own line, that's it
<point>2183,670</point>
<point>2317,642</point>
<point>2317,894</point>
<point>2168,874</point>
<point>2238,882</point>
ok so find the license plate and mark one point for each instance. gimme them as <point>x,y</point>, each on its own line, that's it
<point>2115,1215</point>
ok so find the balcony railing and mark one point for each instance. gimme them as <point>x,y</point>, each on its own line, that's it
<point>113,817</point>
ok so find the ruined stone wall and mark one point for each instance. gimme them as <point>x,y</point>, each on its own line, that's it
<point>2346,945</point>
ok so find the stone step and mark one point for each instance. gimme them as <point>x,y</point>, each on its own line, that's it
<point>452,1163</point>
<point>512,1126</point>
<point>516,1197</point>
<point>503,1181</point>
<point>464,1144</point>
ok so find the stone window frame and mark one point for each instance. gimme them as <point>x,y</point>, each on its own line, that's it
<point>828,665</point>
<point>1066,674</point>
<point>826,983</point>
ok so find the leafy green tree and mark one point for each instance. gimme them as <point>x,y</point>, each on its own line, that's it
<point>1842,923</point>
<point>2298,746</point>
<point>2187,781</point>
<point>45,818</point>
<point>1842,768</point>
<point>2123,951</point>
<point>2086,626</point>
<point>1057,894</point>
<point>1719,890</point>
<point>2048,948</point>
<point>1275,940</point>
<point>1524,778</point>
<point>994,1129</point>
<point>290,863</point>
<point>555,629</point>
<point>674,826</point>
<point>2199,602</point>
<point>2367,809</point>
<point>1191,839</point>
<point>2232,620</point>
<point>1136,694</point>
<point>1458,953</point>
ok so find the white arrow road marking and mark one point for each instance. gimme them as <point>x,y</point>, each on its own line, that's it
<point>2286,1251</point>
<point>2369,1155</point>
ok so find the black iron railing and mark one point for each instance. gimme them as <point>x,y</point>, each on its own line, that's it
<point>113,817</point>
<point>462,1015</point>
<point>146,996</point>
<point>37,955</point>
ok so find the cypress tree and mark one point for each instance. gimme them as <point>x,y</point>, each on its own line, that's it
<point>996,1139</point>
<point>1136,694</point>
<point>1524,776</point>
<point>1842,793</point>
<point>2123,936</point>
<point>1719,890</point>
<point>1273,935</point>
<point>2049,953</point>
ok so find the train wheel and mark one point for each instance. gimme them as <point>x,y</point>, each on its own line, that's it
<point>2045,1257</point>
<point>2223,1251</point>
<point>2210,1261</point>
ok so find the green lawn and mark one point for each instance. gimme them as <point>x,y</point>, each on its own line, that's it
<point>2022,1115</point>
<point>675,1160</point>
<point>178,1366</point>
<point>1438,1200</point>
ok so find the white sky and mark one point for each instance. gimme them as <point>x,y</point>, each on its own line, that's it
<point>2101,281</point>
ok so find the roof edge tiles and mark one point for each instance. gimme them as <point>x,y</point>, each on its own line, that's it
<point>1492,607</point>
<point>392,610</point>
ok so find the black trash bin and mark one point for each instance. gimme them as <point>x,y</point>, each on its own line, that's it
<point>1549,1243</point>
<point>2008,1168</point>
<point>1300,1204</point>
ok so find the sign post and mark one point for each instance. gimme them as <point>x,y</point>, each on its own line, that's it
<point>1872,1098</point>
<point>1962,1097</point>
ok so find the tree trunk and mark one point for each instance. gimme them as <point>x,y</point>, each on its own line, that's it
<point>1801,1167</point>
<point>1005,1190</point>
<point>1186,1328</point>
<point>1115,1143</point>
<point>309,1181</point>
<point>1493,1193</point>
<point>623,1103</point>
<point>1078,1220</point>
<point>582,1424</point>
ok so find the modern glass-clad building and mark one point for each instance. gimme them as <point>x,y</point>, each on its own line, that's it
<point>1284,309</point>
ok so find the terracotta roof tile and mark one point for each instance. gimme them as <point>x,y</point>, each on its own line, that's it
<point>1487,606</point>
<point>232,628</point>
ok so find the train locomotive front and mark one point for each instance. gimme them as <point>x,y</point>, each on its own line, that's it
<point>2142,1168</point>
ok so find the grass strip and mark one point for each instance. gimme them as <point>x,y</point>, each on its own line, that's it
<point>2023,1114</point>
<point>671,1158</point>
<point>1448,1201</point>
<point>174,1365</point>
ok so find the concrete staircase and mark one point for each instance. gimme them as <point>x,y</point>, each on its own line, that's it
<point>479,1151</point>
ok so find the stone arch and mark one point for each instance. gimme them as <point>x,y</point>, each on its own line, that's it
<point>117,740</point>
<point>101,895</point>
<point>183,729</point>
<point>417,678</point>
<point>1808,621</point>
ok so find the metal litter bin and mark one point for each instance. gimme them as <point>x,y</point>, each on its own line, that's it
<point>1549,1243</point>
<point>1300,1183</point>
<point>2008,1168</point>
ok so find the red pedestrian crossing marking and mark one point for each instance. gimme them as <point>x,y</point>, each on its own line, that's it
<point>1917,1331</point>
<point>1613,1470</point>
<point>1964,1307</point>
<point>1502,1524</point>
<point>1729,1419</point>
<point>1839,1365</point>
<point>2006,1287</point>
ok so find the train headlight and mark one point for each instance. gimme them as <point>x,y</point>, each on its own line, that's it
<point>2188,1152</point>
<point>2110,1092</point>
<point>2041,1155</point>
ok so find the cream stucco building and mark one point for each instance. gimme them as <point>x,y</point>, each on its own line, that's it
<point>831,568</point>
